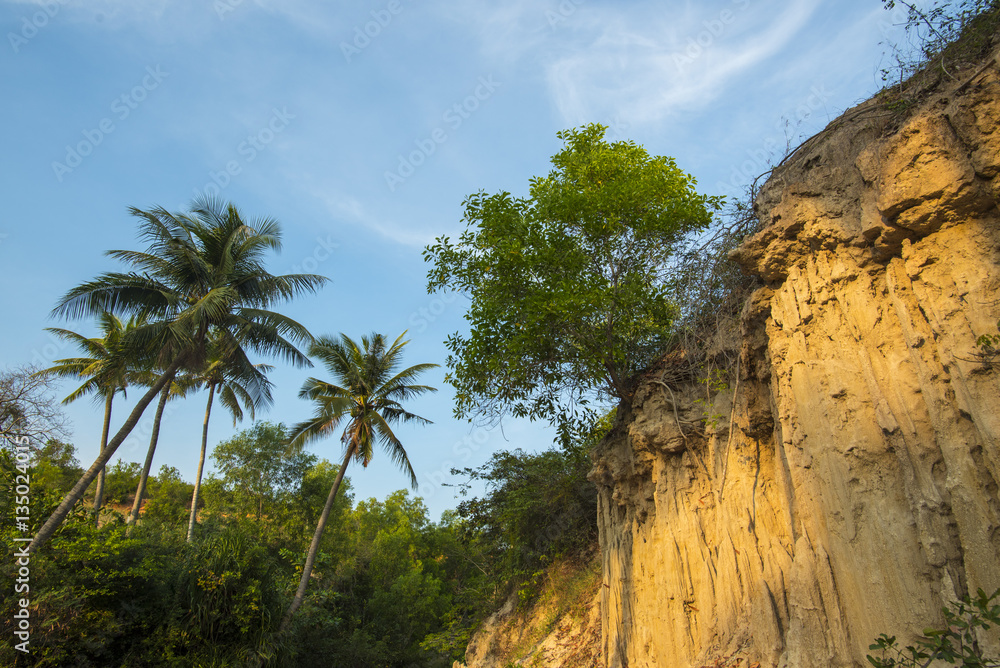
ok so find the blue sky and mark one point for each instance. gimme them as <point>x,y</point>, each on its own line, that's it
<point>362,127</point>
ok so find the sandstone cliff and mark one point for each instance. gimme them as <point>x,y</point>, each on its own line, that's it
<point>845,483</point>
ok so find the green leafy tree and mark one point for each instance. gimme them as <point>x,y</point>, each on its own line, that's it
<point>569,287</point>
<point>169,495</point>
<point>55,466</point>
<point>382,594</point>
<point>257,471</point>
<point>536,507</point>
<point>121,480</point>
<point>316,483</point>
<point>368,399</point>
<point>201,273</point>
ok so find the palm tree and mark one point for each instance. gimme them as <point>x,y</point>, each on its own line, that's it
<point>201,273</point>
<point>179,387</point>
<point>235,385</point>
<point>108,367</point>
<point>368,398</point>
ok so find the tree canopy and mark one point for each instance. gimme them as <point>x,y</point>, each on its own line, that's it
<point>569,287</point>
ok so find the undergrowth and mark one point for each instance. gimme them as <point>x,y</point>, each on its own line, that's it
<point>956,644</point>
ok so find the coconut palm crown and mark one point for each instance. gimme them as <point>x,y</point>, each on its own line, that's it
<point>109,365</point>
<point>367,397</point>
<point>201,272</point>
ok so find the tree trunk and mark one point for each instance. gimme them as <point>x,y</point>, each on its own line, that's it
<point>75,494</point>
<point>201,464</point>
<point>99,491</point>
<point>314,547</point>
<point>133,516</point>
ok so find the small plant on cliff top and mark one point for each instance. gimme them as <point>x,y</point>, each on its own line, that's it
<point>955,644</point>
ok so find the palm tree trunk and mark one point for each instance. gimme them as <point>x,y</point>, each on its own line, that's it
<point>133,516</point>
<point>99,492</point>
<point>75,494</point>
<point>201,464</point>
<point>314,547</point>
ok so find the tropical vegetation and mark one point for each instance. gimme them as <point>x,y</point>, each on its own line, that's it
<point>570,288</point>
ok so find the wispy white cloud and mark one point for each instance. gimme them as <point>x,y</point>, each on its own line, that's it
<point>626,72</point>
<point>599,61</point>
<point>352,211</point>
<point>506,32</point>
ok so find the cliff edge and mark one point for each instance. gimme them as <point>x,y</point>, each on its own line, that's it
<point>843,481</point>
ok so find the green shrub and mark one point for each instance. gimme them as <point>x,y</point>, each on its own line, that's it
<point>955,644</point>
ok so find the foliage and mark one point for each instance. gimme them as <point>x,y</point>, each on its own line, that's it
<point>201,273</point>
<point>141,596</point>
<point>388,591</point>
<point>369,393</point>
<point>113,597</point>
<point>711,287</point>
<point>110,363</point>
<point>988,345</point>
<point>120,482</point>
<point>955,644</point>
<point>940,39</point>
<point>169,497</point>
<point>369,399</point>
<point>55,466</point>
<point>715,381</point>
<point>228,592</point>
<point>570,287</point>
<point>257,474</point>
<point>537,508</point>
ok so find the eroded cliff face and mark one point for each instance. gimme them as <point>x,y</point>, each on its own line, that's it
<point>850,486</point>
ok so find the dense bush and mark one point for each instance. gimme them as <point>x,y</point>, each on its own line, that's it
<point>386,586</point>
<point>537,507</point>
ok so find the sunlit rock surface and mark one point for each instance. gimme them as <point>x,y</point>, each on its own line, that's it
<point>853,489</point>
